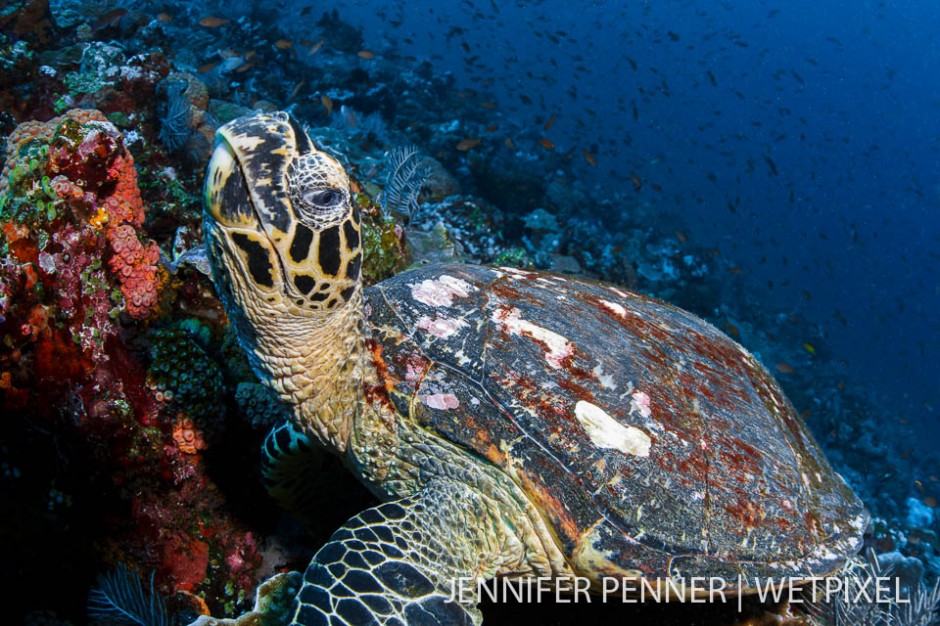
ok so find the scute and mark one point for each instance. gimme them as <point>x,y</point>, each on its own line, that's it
<point>497,361</point>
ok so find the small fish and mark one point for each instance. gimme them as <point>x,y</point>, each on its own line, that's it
<point>931,502</point>
<point>296,90</point>
<point>733,330</point>
<point>349,115</point>
<point>809,348</point>
<point>283,44</point>
<point>365,54</point>
<point>509,143</point>
<point>637,182</point>
<point>784,368</point>
<point>737,271</point>
<point>354,187</point>
<point>327,103</point>
<point>213,22</point>
<point>316,47</point>
<point>208,67</point>
<point>164,17</point>
<point>467,144</point>
<point>771,165</point>
<point>244,67</point>
<point>681,236</point>
<point>249,55</point>
<point>487,104</point>
<point>550,122</point>
<point>589,158</point>
<point>546,143</point>
<point>492,128</point>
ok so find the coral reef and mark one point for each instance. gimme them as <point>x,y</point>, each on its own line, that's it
<point>79,281</point>
<point>74,170</point>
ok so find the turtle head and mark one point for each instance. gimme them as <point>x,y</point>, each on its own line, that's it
<point>281,231</point>
<point>282,236</point>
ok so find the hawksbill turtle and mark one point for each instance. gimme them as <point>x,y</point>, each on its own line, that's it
<point>514,423</point>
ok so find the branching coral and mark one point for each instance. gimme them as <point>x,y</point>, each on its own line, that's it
<point>407,174</point>
<point>175,123</point>
<point>859,601</point>
<point>185,123</point>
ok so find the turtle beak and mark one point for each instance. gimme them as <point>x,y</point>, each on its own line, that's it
<point>261,148</point>
<point>227,199</point>
<point>237,230</point>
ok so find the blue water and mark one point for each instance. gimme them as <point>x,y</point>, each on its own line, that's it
<point>800,139</point>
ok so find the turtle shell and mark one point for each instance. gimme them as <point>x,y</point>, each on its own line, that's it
<point>652,443</point>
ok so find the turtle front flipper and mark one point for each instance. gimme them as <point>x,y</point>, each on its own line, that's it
<point>289,464</point>
<point>300,476</point>
<point>398,563</point>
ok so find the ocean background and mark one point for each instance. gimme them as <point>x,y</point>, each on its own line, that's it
<point>800,139</point>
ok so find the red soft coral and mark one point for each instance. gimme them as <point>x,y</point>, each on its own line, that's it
<point>137,269</point>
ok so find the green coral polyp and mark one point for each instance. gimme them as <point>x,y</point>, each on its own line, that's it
<point>182,367</point>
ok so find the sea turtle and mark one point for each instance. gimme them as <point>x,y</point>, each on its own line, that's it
<point>515,423</point>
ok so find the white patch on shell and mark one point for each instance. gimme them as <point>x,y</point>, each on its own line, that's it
<point>515,272</point>
<point>440,326</point>
<point>441,401</point>
<point>440,292</point>
<point>640,403</point>
<point>557,346</point>
<point>613,307</point>
<point>606,432</point>
<point>606,380</point>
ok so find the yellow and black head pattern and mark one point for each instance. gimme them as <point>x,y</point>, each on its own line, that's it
<point>279,221</point>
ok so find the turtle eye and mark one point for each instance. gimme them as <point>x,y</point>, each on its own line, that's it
<point>324,198</point>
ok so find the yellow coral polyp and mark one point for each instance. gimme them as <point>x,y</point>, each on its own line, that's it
<point>99,219</point>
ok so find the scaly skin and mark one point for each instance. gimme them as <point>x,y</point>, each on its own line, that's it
<point>283,242</point>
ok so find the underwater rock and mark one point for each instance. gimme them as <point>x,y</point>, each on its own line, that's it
<point>71,13</point>
<point>224,111</point>
<point>907,569</point>
<point>104,77</point>
<point>272,602</point>
<point>28,21</point>
<point>462,228</point>
<point>919,515</point>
